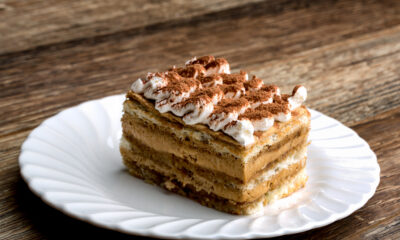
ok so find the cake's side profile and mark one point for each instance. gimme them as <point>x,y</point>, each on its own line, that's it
<point>222,139</point>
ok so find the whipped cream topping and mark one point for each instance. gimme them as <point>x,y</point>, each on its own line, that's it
<point>211,80</point>
<point>242,131</point>
<point>299,95</point>
<point>205,92</point>
<point>227,111</point>
<point>263,124</point>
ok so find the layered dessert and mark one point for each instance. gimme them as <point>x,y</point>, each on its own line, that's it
<point>225,140</point>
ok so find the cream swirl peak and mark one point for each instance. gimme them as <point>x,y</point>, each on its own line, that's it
<point>205,92</point>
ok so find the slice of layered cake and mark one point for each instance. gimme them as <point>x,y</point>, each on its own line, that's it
<point>227,141</point>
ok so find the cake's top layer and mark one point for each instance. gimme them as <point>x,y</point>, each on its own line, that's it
<point>205,92</point>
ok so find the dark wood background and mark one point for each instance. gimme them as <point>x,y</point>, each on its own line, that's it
<point>57,53</point>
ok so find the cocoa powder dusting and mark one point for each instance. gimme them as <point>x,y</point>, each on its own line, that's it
<point>230,124</point>
<point>282,100</point>
<point>270,88</point>
<point>212,91</point>
<point>203,60</point>
<point>253,83</point>
<point>230,105</point>
<point>191,71</point>
<point>255,114</point>
<point>258,96</point>
<point>192,76</point>
<point>273,108</point>
<point>179,84</point>
<point>295,89</point>
<point>233,78</point>
<point>208,79</point>
<point>234,87</point>
<point>202,95</point>
<point>216,63</point>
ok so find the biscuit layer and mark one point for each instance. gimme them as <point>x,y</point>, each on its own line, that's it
<point>218,183</point>
<point>286,188</point>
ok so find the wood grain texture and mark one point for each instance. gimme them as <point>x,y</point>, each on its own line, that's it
<point>347,53</point>
<point>28,24</point>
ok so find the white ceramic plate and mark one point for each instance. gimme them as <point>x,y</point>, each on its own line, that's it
<point>72,162</point>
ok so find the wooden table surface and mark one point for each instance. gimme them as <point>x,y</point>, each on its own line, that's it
<point>55,54</point>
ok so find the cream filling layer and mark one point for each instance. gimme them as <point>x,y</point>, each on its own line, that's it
<point>283,164</point>
<point>264,177</point>
<point>286,188</point>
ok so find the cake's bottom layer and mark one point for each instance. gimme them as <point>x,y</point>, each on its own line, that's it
<point>286,188</point>
<point>133,152</point>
